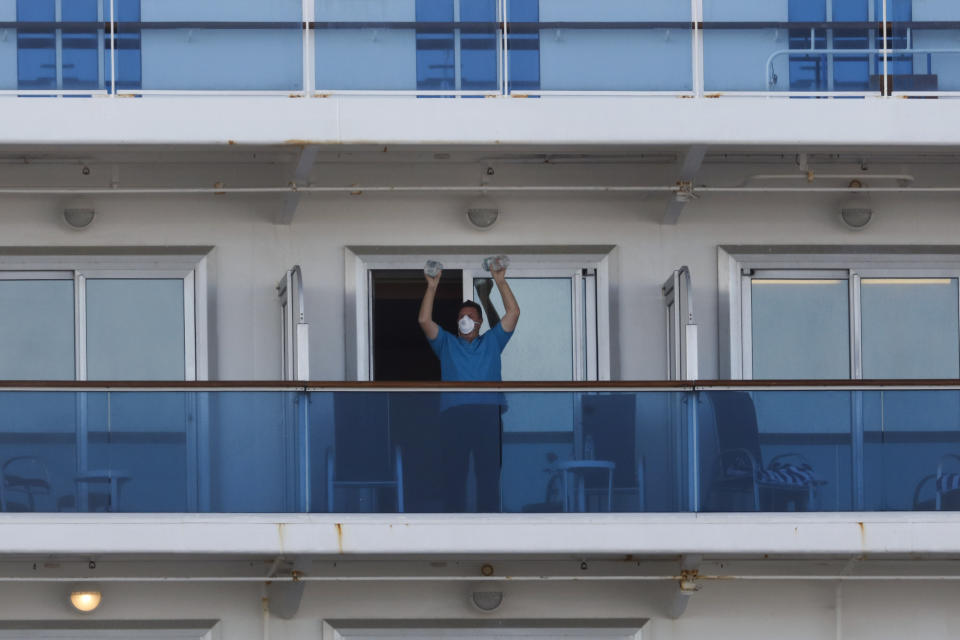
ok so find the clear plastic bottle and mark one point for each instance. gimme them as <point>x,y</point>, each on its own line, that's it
<point>432,268</point>
<point>588,448</point>
<point>496,263</point>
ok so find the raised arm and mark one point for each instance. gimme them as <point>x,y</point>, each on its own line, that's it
<point>484,287</point>
<point>511,309</point>
<point>429,327</point>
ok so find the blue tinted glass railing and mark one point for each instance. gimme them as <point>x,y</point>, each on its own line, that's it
<point>479,450</point>
<point>608,45</point>
<point>798,46</point>
<point>443,48</point>
<point>242,45</point>
<point>423,46</point>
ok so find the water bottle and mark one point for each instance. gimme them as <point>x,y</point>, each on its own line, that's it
<point>588,448</point>
<point>496,263</point>
<point>432,268</point>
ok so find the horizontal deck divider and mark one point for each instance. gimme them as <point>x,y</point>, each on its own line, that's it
<point>613,385</point>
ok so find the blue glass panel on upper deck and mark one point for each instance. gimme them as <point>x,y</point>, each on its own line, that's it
<point>221,45</point>
<point>80,45</point>
<point>365,46</point>
<point>407,45</point>
<point>33,51</point>
<point>925,37</point>
<point>608,45</point>
<point>803,46</point>
<point>126,60</point>
<point>523,46</point>
<point>58,45</point>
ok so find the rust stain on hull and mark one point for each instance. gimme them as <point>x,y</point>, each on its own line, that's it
<point>339,527</point>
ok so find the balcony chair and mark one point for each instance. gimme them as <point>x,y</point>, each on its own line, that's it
<point>946,488</point>
<point>362,459</point>
<point>27,475</point>
<point>608,475</point>
<point>787,482</point>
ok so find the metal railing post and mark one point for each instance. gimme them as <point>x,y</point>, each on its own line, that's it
<point>303,428</point>
<point>113,50</point>
<point>856,449</point>
<point>692,399</point>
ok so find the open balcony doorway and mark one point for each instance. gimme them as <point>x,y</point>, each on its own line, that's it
<point>400,350</point>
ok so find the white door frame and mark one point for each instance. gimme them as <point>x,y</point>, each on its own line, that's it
<point>360,261</point>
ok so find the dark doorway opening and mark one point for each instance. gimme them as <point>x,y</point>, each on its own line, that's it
<point>400,350</point>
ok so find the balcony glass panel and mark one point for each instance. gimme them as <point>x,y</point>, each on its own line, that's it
<point>775,450</point>
<point>38,431</point>
<point>52,44</point>
<point>220,44</point>
<point>612,45</point>
<point>560,451</point>
<point>578,450</point>
<point>925,37</point>
<point>796,46</point>
<point>912,440</point>
<point>405,45</point>
<point>135,458</point>
<point>126,59</point>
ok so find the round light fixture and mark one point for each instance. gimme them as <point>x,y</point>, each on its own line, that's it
<point>487,601</point>
<point>85,597</point>
<point>78,218</point>
<point>482,213</point>
<point>856,211</point>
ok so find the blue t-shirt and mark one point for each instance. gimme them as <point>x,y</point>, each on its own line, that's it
<point>477,361</point>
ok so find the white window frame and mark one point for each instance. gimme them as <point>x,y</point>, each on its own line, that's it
<point>123,630</point>
<point>482,630</point>
<point>524,262</point>
<point>735,263</point>
<point>190,266</point>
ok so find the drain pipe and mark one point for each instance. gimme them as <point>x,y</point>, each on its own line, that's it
<point>471,189</point>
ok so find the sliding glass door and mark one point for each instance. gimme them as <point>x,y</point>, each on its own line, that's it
<point>850,323</point>
<point>109,325</point>
<point>37,330</point>
<point>556,336</point>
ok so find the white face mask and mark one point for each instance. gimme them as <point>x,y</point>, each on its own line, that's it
<point>465,324</point>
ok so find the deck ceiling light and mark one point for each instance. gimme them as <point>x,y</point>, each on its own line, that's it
<point>487,601</point>
<point>78,213</point>
<point>856,211</point>
<point>85,597</point>
<point>482,213</point>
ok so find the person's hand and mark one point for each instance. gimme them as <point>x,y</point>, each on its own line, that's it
<point>499,276</point>
<point>433,282</point>
<point>484,287</point>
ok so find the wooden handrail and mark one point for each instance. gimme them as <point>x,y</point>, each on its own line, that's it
<point>493,386</point>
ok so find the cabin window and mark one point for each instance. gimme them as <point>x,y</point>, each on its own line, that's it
<point>101,321</point>
<point>880,318</point>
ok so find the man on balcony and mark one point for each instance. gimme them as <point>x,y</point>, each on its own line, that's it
<point>472,420</point>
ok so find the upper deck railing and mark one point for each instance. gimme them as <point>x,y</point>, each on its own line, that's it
<point>438,448</point>
<point>450,48</point>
